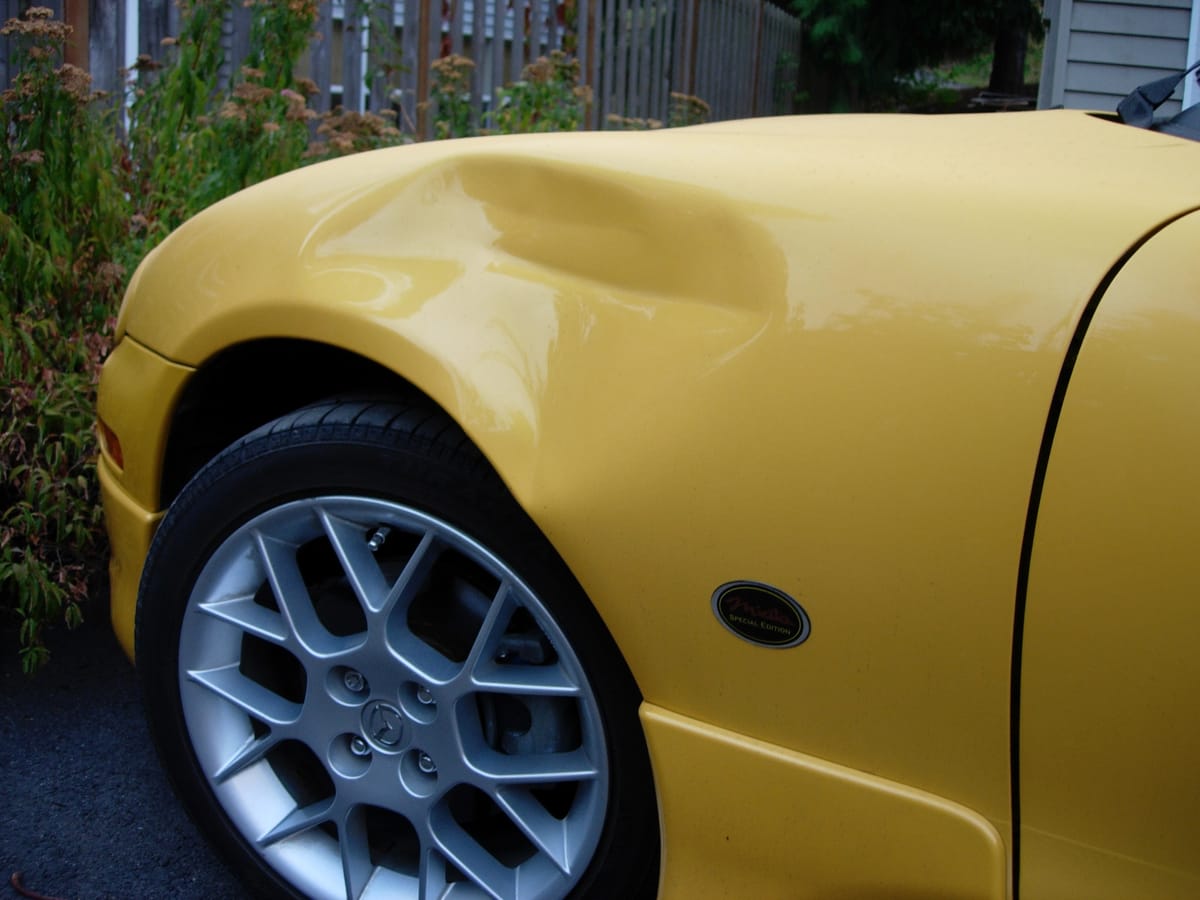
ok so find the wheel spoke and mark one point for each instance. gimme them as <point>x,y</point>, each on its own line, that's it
<point>549,680</point>
<point>247,695</point>
<point>249,616</point>
<point>432,875</point>
<point>544,831</point>
<point>491,632</point>
<point>291,593</point>
<point>357,561</point>
<point>416,570</point>
<point>302,818</point>
<point>247,755</point>
<point>356,853</point>
<point>498,769</point>
<point>472,860</point>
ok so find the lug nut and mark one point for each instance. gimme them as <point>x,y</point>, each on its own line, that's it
<point>359,747</point>
<point>425,763</point>
<point>424,696</point>
<point>354,681</point>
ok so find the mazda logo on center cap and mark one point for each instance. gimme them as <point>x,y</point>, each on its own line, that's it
<point>383,724</point>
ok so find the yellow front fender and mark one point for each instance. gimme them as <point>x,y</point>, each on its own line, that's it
<point>820,356</point>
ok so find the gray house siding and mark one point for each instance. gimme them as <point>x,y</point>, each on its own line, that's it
<point>1097,51</point>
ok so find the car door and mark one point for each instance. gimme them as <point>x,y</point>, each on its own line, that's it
<point>1109,768</point>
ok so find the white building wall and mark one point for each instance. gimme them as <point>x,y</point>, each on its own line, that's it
<point>1097,51</point>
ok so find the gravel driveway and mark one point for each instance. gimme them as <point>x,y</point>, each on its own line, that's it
<point>85,811</point>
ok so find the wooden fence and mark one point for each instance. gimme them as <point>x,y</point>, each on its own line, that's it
<point>740,56</point>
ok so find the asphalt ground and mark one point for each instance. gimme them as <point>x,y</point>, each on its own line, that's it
<point>85,810</point>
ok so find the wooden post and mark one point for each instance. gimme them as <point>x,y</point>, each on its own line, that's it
<point>609,57</point>
<point>456,15</point>
<point>695,46</point>
<point>322,57</point>
<point>478,43</point>
<point>153,26</point>
<point>106,53</point>
<point>424,22</point>
<point>537,18</point>
<point>498,9</point>
<point>591,74</point>
<point>75,14</point>
<point>758,33</point>
<point>352,71</point>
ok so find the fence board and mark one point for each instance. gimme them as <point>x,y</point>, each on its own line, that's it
<point>153,26</point>
<point>622,88</point>
<point>685,41</point>
<point>604,63</point>
<point>497,45</point>
<point>409,53</point>
<point>238,23</point>
<point>456,14</point>
<point>729,60</point>
<point>320,59</point>
<point>537,22</point>
<point>652,11</point>
<point>636,43</point>
<point>105,23</point>
<point>375,35</point>
<point>479,45</point>
<point>516,41</point>
<point>734,54</point>
<point>586,37</point>
<point>10,9</point>
<point>352,69</point>
<point>666,28</point>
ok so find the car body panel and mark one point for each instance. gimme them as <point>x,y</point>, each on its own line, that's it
<point>828,370</point>
<point>1110,787</point>
<point>742,818</point>
<point>131,492</point>
<point>132,369</point>
<point>130,529</point>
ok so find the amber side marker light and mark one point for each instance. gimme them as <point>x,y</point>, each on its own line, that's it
<point>110,444</point>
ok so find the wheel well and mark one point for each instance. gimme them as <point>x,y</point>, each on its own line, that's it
<point>251,384</point>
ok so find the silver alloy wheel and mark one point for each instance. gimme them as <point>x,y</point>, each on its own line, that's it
<point>383,708</point>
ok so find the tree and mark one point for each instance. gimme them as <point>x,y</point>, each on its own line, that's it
<point>856,49</point>
<point>1014,19</point>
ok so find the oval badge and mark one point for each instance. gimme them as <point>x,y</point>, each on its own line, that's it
<point>761,614</point>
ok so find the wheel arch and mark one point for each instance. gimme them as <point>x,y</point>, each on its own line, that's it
<point>251,383</point>
<point>215,408</point>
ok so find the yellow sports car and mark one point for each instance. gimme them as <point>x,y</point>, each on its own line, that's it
<point>784,508</point>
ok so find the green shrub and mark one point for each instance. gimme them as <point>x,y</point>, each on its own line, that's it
<point>450,97</point>
<point>547,98</point>
<point>193,141</point>
<point>80,209</point>
<point>64,234</point>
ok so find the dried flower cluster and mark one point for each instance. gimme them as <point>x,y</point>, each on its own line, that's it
<point>631,123</point>
<point>342,132</point>
<point>687,110</point>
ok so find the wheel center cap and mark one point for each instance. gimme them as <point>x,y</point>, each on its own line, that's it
<point>383,725</point>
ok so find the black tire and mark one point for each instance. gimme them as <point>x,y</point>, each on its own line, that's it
<point>441,723</point>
